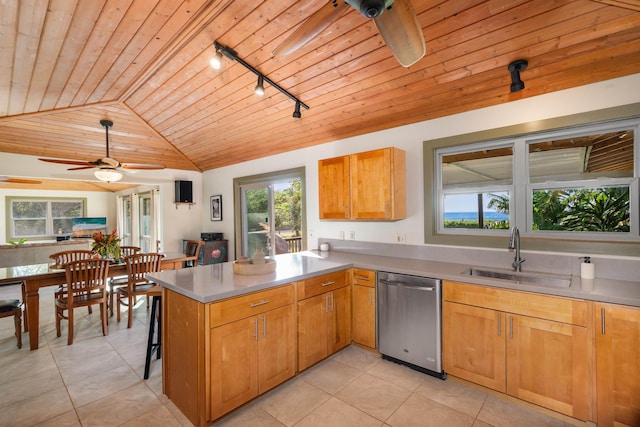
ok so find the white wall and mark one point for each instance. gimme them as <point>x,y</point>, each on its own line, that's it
<point>597,96</point>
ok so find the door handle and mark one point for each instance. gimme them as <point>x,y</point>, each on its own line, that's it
<point>257,304</point>
<point>264,326</point>
<point>602,314</point>
<point>255,322</point>
<point>499,324</point>
<point>408,286</point>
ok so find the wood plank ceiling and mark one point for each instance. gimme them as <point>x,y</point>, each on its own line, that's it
<point>66,64</point>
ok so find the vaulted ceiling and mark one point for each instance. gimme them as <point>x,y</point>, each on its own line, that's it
<point>65,65</point>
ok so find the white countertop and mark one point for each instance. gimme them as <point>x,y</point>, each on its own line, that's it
<point>215,282</point>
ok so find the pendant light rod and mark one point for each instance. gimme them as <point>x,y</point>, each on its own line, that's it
<point>233,55</point>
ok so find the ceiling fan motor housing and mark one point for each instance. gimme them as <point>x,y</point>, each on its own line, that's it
<point>370,8</point>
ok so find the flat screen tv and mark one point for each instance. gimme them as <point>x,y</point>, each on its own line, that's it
<point>87,227</point>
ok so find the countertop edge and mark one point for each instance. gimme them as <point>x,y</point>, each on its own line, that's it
<point>603,290</point>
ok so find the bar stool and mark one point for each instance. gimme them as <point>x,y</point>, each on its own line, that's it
<point>156,304</point>
<point>13,307</point>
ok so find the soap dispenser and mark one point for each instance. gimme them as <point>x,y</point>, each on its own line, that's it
<point>587,268</point>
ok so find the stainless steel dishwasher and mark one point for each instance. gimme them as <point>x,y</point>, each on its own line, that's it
<point>409,321</point>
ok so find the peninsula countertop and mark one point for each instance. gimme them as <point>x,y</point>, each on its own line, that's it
<point>214,282</point>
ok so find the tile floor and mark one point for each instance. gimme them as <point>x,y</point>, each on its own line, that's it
<point>97,381</point>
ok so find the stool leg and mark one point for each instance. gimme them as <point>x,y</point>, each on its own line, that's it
<point>152,325</point>
<point>18,320</point>
<point>159,340</point>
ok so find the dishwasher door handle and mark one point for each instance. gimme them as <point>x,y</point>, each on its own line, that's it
<point>407,285</point>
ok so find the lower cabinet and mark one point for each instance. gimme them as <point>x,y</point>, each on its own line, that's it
<point>618,365</point>
<point>254,353</point>
<point>324,318</point>
<point>363,321</point>
<point>533,347</point>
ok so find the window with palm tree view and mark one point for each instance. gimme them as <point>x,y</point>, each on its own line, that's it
<point>578,183</point>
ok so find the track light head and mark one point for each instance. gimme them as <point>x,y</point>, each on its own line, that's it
<point>259,90</point>
<point>514,68</point>
<point>216,61</point>
<point>296,112</point>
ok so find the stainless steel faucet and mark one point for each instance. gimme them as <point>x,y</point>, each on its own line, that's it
<point>514,243</point>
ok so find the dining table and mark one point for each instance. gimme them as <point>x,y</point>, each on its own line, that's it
<point>36,276</point>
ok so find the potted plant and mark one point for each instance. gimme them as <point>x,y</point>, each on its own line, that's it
<point>106,245</point>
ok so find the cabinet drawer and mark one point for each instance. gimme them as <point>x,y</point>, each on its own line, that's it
<point>321,284</point>
<point>364,277</point>
<point>548,307</point>
<point>249,305</point>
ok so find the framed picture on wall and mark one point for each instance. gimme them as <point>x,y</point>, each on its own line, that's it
<point>216,208</point>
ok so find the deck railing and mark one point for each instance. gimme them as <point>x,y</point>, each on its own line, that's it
<point>295,244</point>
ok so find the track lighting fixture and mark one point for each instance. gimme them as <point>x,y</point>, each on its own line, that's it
<point>260,86</point>
<point>216,64</point>
<point>514,68</point>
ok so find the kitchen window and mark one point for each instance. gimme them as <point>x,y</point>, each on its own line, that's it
<point>40,218</point>
<point>577,184</point>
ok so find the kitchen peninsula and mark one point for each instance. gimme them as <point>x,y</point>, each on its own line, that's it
<point>209,311</point>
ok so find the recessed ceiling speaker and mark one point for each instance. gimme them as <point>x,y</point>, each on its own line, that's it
<point>184,192</point>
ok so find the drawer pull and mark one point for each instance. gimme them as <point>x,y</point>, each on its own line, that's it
<point>256,304</point>
<point>363,278</point>
<point>328,283</point>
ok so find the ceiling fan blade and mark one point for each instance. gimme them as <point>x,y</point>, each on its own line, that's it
<point>141,166</point>
<point>8,179</point>
<point>88,166</point>
<point>68,162</point>
<point>310,28</point>
<point>401,31</point>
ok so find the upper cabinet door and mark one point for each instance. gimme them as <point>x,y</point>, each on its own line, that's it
<point>333,188</point>
<point>372,184</point>
<point>364,186</point>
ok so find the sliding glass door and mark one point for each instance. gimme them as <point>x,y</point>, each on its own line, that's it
<point>271,214</point>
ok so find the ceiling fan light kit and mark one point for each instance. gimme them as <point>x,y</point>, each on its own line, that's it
<point>108,175</point>
<point>216,64</point>
<point>514,68</point>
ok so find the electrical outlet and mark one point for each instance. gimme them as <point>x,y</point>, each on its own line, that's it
<point>310,233</point>
<point>352,235</point>
<point>400,238</point>
<point>341,235</point>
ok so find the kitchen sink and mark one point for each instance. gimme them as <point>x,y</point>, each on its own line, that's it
<point>512,276</point>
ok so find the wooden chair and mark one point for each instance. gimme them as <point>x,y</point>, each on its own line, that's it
<point>86,286</point>
<point>192,248</point>
<point>13,307</point>
<point>137,284</point>
<point>120,281</point>
<point>62,258</point>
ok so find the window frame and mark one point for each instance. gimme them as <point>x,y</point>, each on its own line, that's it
<point>521,195</point>
<point>499,243</point>
<point>50,231</point>
<point>465,189</point>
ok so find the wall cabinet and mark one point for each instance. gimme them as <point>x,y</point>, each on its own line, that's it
<point>618,365</point>
<point>364,186</point>
<point>533,347</point>
<point>363,322</point>
<point>324,317</point>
